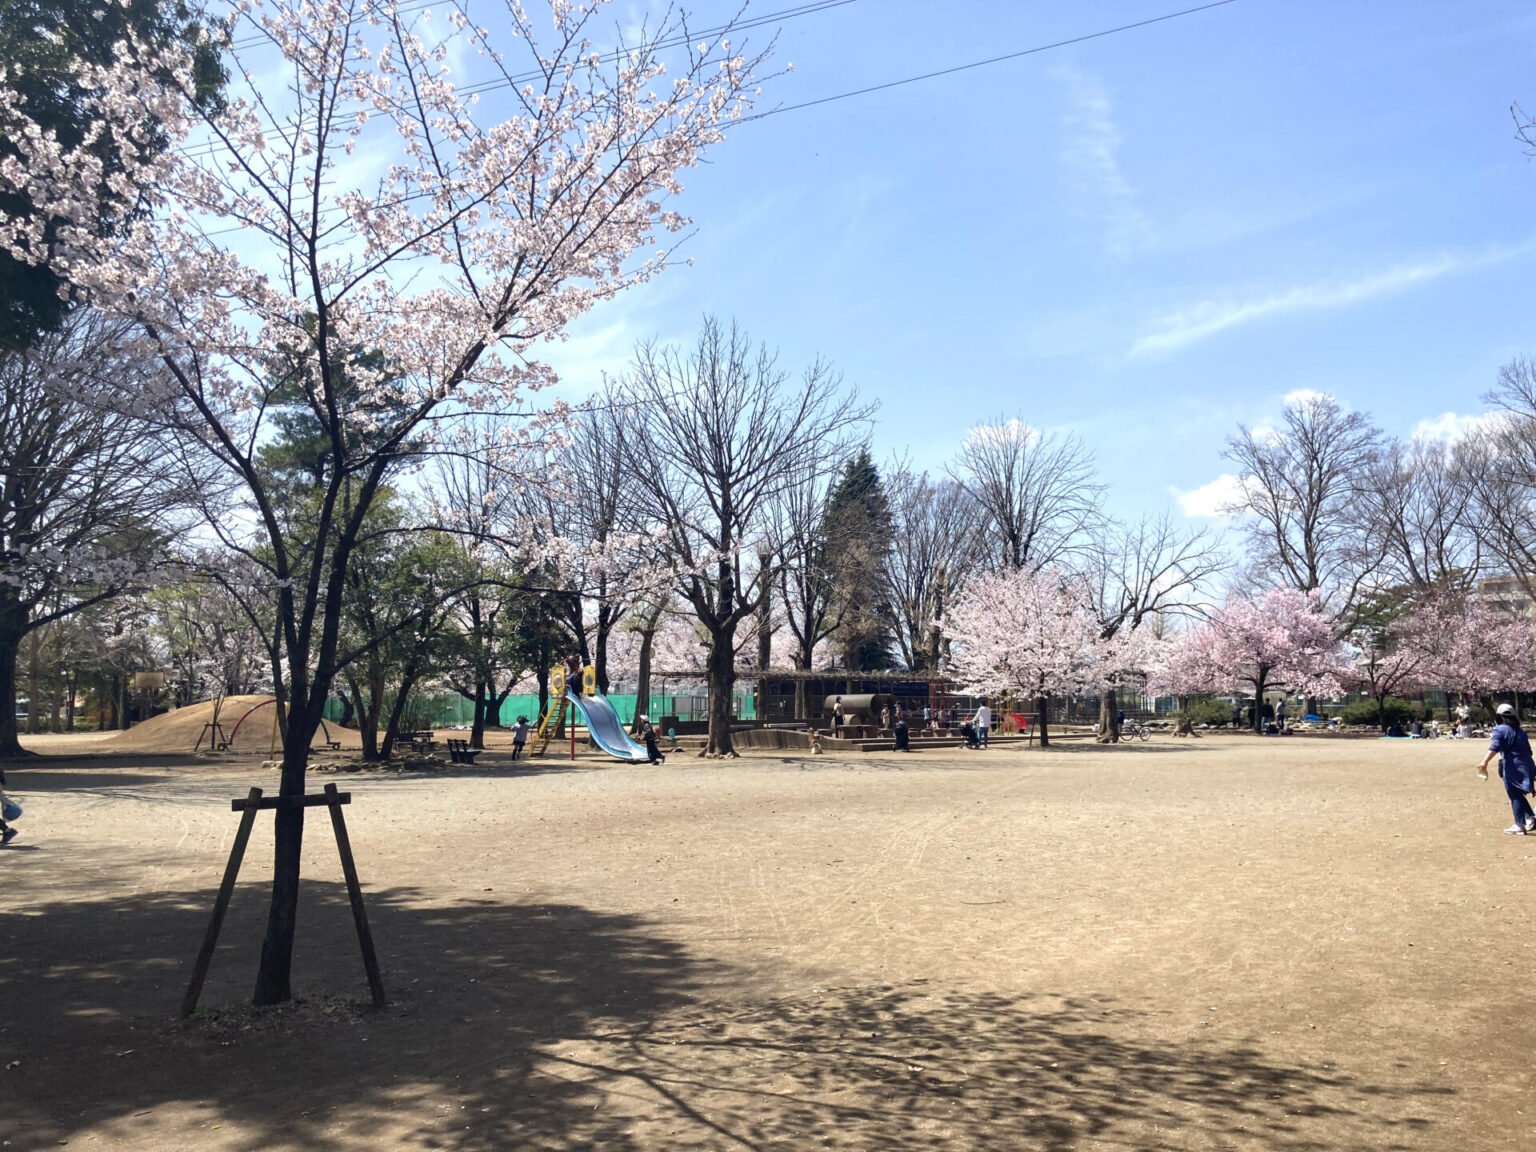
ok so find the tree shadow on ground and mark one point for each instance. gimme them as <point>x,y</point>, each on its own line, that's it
<point>553,1026</point>
<point>915,1068</point>
<point>91,987</point>
<point>493,767</point>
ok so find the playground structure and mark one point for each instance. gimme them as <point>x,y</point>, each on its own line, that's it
<point>330,741</point>
<point>597,715</point>
<point>238,724</point>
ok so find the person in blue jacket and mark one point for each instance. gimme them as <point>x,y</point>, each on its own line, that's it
<point>1516,766</point>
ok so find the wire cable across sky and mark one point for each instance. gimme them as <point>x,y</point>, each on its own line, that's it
<point>983,63</point>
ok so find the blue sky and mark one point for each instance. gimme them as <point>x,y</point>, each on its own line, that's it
<point>1143,239</point>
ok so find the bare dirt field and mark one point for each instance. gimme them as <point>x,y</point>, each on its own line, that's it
<point>1226,943</point>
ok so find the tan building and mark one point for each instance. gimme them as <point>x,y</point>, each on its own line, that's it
<point>1506,593</point>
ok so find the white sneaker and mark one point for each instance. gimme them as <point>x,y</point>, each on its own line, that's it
<point>1515,830</point>
<point>1530,825</point>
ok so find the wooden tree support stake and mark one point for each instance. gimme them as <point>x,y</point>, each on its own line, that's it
<point>355,895</point>
<point>248,808</point>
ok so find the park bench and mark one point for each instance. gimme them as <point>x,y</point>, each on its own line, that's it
<point>460,752</point>
<point>419,741</point>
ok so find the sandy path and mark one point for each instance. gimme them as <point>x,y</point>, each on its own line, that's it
<point>1231,943</point>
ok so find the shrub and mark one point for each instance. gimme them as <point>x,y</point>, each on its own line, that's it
<point>1217,713</point>
<point>1396,709</point>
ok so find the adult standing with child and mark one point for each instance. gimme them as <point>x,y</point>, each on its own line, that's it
<point>1513,746</point>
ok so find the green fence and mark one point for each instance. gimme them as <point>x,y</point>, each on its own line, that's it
<point>456,711</point>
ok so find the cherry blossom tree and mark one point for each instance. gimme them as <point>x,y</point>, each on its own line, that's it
<point>1033,634</point>
<point>1137,575</point>
<point>1283,638</point>
<point>1476,649</point>
<point>1393,652</point>
<point>359,231</point>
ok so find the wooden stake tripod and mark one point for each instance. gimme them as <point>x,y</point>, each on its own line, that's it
<point>248,808</point>
<point>213,731</point>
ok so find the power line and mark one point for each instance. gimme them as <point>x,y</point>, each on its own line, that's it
<point>980,63</point>
<point>674,41</point>
<point>821,5</point>
<point>679,39</point>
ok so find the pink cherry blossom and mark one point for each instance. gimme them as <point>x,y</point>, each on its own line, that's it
<point>1283,638</point>
<point>1034,633</point>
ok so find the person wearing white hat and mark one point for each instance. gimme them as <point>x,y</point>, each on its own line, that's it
<point>1513,747</point>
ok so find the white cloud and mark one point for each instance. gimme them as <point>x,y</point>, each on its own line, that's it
<point>1092,158</point>
<point>1210,501</point>
<point>1010,431</point>
<point>1449,427</point>
<point>1191,325</point>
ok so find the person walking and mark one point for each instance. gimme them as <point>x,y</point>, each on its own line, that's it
<point>1510,743</point>
<point>1280,715</point>
<point>837,714</point>
<point>519,737</point>
<point>900,733</point>
<point>983,723</point>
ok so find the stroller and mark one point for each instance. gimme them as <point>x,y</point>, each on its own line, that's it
<point>972,737</point>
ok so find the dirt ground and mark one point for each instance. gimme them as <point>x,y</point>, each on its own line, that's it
<point>1226,943</point>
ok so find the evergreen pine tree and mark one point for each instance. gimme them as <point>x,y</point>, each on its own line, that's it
<point>858,534</point>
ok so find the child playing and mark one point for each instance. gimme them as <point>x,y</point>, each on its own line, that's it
<point>652,749</point>
<point>519,736</point>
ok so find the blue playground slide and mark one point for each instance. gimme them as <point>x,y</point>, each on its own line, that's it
<point>606,727</point>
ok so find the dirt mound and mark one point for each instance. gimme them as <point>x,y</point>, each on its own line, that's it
<point>179,730</point>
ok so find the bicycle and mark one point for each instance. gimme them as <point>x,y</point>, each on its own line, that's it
<point>1133,729</point>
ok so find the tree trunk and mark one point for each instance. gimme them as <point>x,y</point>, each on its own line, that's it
<point>1381,710</point>
<point>477,724</point>
<point>367,711</point>
<point>936,635</point>
<point>34,669</point>
<point>1258,703</point>
<point>606,618</point>
<point>802,662</point>
<point>1109,721</point>
<point>392,728</point>
<point>722,684</point>
<point>274,977</point>
<point>643,676</point>
<point>1042,707</point>
<point>764,637</point>
<point>494,701</point>
<point>13,616</point>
